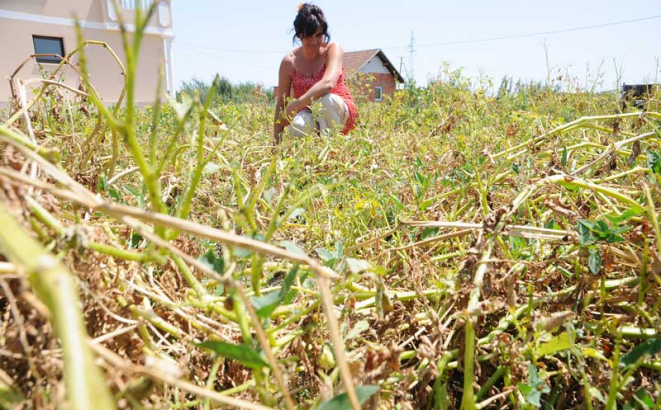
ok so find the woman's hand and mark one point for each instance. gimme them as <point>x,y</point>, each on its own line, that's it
<point>293,108</point>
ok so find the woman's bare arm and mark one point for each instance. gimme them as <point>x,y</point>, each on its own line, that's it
<point>284,86</point>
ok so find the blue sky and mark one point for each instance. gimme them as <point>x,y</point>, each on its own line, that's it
<point>245,41</point>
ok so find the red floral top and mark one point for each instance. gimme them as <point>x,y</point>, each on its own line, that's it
<point>301,84</point>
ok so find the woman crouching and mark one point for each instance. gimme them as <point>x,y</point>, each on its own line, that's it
<point>314,72</point>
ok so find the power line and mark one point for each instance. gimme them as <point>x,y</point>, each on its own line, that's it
<point>447,43</point>
<point>234,50</point>
<point>514,36</point>
<point>225,60</point>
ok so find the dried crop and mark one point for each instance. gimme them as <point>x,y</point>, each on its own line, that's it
<point>455,250</point>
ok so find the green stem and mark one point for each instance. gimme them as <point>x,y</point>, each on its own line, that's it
<point>56,287</point>
<point>212,378</point>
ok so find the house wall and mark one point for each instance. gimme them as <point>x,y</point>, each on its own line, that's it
<point>375,65</point>
<point>48,18</point>
<point>87,10</point>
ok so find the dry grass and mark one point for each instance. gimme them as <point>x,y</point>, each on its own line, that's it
<point>456,249</point>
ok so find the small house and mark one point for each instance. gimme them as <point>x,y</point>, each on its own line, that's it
<point>375,73</point>
<point>46,30</point>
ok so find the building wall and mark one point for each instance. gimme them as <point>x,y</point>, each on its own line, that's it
<point>365,84</point>
<point>88,10</point>
<point>49,19</point>
<point>375,65</point>
<point>94,11</point>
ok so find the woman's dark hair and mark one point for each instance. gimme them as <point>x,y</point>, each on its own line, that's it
<point>308,20</point>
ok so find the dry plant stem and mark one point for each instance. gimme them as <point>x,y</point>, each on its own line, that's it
<point>184,208</point>
<point>336,339</point>
<point>121,174</point>
<point>14,136</point>
<point>651,212</point>
<point>7,267</point>
<point>127,128</point>
<point>56,287</point>
<point>429,241</point>
<point>21,327</point>
<point>468,398</point>
<point>157,374</point>
<point>64,60</point>
<point>49,220</point>
<point>246,243</point>
<point>55,83</point>
<point>514,230</point>
<point>572,125</point>
<point>246,301</point>
<point>612,149</point>
<point>84,197</point>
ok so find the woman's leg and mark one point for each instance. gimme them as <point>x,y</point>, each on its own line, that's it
<point>334,112</point>
<point>302,124</point>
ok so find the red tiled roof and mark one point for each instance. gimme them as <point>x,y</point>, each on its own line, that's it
<point>355,60</point>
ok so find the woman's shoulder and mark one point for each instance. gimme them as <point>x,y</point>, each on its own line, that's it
<point>333,47</point>
<point>288,61</point>
<point>333,50</point>
<point>289,57</point>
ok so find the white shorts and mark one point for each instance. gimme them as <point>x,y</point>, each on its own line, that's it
<point>332,112</point>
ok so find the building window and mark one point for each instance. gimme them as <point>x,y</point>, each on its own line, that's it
<point>378,93</point>
<point>48,45</point>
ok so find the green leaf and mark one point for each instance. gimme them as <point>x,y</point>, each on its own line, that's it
<point>135,240</point>
<point>242,253</point>
<point>296,213</point>
<point>131,190</point>
<point>243,354</point>
<point>102,183</point>
<point>654,162</point>
<point>556,344</point>
<point>341,401</point>
<point>327,257</point>
<point>180,108</point>
<point>269,194</point>
<point>211,167</point>
<point>266,304</point>
<point>441,398</point>
<point>643,399</point>
<point>358,265</point>
<point>613,238</point>
<point>357,329</point>
<point>594,260</point>
<point>626,215</point>
<point>293,248</point>
<point>531,394</point>
<point>649,347</point>
<point>398,203</point>
<point>214,262</point>
<point>114,194</point>
<point>596,393</point>
<point>551,224</point>
<point>563,160</point>
<point>429,232</point>
<point>536,386</point>
<point>585,235</point>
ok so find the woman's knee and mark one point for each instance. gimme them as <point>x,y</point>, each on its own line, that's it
<point>335,109</point>
<point>301,125</point>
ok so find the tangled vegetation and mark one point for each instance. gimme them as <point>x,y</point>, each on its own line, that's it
<point>455,250</point>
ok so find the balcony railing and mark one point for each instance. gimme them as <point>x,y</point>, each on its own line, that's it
<point>163,12</point>
<point>133,4</point>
